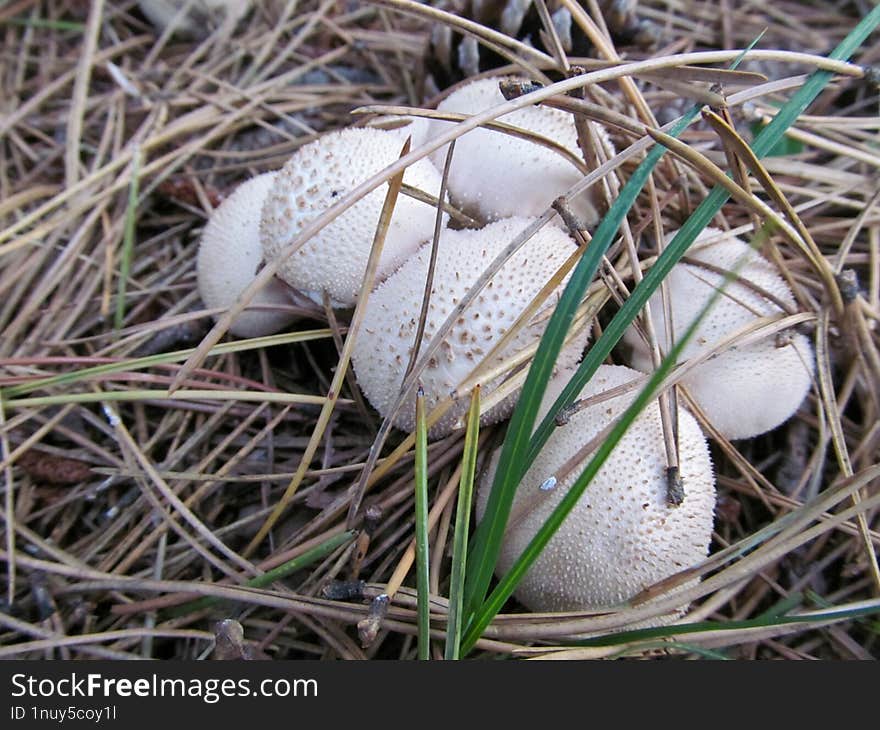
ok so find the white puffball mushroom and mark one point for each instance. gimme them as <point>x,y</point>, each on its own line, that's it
<point>230,256</point>
<point>747,389</point>
<point>317,176</point>
<point>495,175</point>
<point>385,342</point>
<point>622,536</point>
<point>199,13</point>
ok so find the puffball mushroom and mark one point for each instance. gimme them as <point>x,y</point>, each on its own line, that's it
<point>495,175</point>
<point>230,256</point>
<point>747,389</point>
<point>622,536</point>
<point>317,176</point>
<point>385,343</point>
<point>162,12</point>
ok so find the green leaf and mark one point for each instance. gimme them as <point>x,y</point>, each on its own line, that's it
<point>422,575</point>
<point>462,520</point>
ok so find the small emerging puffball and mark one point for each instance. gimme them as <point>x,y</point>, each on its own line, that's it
<point>161,12</point>
<point>495,175</point>
<point>746,390</point>
<point>316,177</point>
<point>622,536</point>
<point>385,342</point>
<point>230,256</point>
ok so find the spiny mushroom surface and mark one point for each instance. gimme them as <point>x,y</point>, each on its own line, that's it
<point>622,536</point>
<point>201,13</point>
<point>316,177</point>
<point>385,342</point>
<point>230,256</point>
<point>747,389</point>
<point>495,175</point>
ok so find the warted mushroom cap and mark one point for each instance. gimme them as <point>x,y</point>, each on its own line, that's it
<point>495,175</point>
<point>385,342</point>
<point>230,256</point>
<point>747,389</point>
<point>622,536</point>
<point>314,179</point>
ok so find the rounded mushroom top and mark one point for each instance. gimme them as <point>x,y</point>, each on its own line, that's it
<point>161,12</point>
<point>622,536</point>
<point>230,256</point>
<point>317,176</point>
<point>495,175</point>
<point>747,389</point>
<point>739,304</point>
<point>385,342</point>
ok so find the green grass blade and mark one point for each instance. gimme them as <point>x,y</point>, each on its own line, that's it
<point>625,316</point>
<point>62,25</point>
<point>511,579</point>
<point>269,577</point>
<point>422,575</point>
<point>783,606</point>
<point>516,456</point>
<point>700,651</point>
<point>512,465</point>
<point>128,238</point>
<point>161,394</point>
<point>855,612</point>
<point>462,520</point>
<point>165,358</point>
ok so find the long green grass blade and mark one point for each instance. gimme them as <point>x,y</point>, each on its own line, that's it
<point>269,577</point>
<point>516,456</point>
<point>165,358</point>
<point>161,394</point>
<point>512,464</point>
<point>511,579</point>
<point>854,612</point>
<point>422,575</point>
<point>48,24</point>
<point>462,520</point>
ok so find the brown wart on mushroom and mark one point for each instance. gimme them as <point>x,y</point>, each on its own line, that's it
<point>747,389</point>
<point>230,256</point>
<point>318,176</point>
<point>622,536</point>
<point>384,345</point>
<point>494,174</point>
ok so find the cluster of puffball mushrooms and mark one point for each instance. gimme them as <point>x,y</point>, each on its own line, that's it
<point>624,534</point>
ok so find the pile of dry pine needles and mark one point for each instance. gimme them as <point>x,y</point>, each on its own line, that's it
<point>127,513</point>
